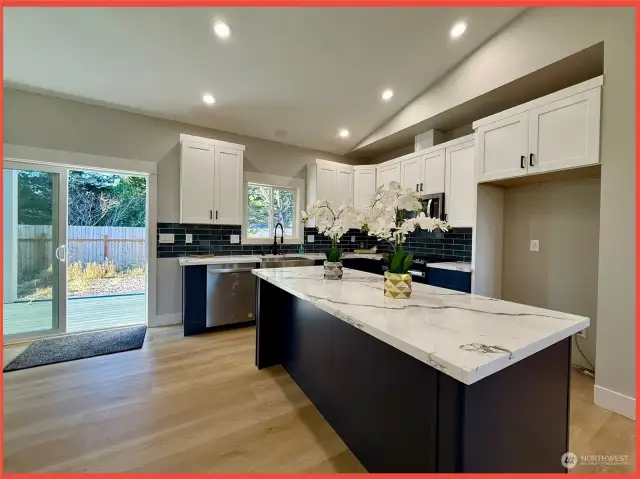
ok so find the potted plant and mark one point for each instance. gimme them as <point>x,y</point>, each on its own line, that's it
<point>388,218</point>
<point>334,223</point>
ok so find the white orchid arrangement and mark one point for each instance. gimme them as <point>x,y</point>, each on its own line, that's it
<point>386,219</point>
<point>332,222</point>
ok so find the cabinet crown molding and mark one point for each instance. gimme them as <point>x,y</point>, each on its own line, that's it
<point>543,100</point>
<point>209,141</point>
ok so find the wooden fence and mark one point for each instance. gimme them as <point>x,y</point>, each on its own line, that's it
<point>124,246</point>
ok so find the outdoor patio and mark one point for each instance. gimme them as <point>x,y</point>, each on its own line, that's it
<point>83,314</point>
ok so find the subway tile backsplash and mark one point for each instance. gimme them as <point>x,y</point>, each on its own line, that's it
<point>454,245</point>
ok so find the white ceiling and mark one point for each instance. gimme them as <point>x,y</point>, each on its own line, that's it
<point>294,75</point>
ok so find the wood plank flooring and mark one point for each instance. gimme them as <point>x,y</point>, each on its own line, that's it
<point>198,404</point>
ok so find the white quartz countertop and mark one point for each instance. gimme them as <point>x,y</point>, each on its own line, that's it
<point>187,261</point>
<point>466,336</point>
<point>454,266</point>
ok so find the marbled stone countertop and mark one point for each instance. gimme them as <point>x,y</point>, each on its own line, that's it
<point>452,265</point>
<point>466,336</point>
<point>190,261</point>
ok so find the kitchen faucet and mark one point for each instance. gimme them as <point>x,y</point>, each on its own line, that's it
<point>274,248</point>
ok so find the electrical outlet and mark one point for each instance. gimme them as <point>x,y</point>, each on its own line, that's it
<point>309,238</point>
<point>188,238</point>
<point>165,238</point>
<point>353,239</point>
<point>235,239</point>
<point>583,333</point>
<point>534,245</point>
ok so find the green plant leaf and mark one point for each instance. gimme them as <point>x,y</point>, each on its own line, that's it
<point>406,264</point>
<point>396,262</point>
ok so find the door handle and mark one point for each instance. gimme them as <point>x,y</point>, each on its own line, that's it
<point>210,214</point>
<point>216,214</point>
<point>421,187</point>
<point>531,159</point>
<point>522,161</point>
<point>61,253</point>
<point>417,186</point>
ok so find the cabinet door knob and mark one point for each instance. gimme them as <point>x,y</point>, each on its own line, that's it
<point>522,161</point>
<point>531,159</point>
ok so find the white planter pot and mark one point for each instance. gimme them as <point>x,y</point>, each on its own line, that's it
<point>332,270</point>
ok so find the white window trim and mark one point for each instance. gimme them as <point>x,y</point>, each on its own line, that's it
<point>295,184</point>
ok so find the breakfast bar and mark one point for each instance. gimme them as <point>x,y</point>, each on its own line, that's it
<point>444,381</point>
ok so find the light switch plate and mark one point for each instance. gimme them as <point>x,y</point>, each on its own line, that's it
<point>165,238</point>
<point>235,239</point>
<point>583,333</point>
<point>353,239</point>
<point>534,245</point>
<point>309,238</point>
<point>188,238</point>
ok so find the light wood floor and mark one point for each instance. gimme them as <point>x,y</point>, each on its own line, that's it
<point>199,405</point>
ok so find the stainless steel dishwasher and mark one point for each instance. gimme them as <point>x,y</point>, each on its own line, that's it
<point>231,293</point>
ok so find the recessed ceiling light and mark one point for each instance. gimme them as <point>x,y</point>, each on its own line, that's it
<point>387,94</point>
<point>222,29</point>
<point>458,29</point>
<point>344,133</point>
<point>208,99</point>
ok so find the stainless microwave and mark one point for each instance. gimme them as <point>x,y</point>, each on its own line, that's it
<point>434,205</point>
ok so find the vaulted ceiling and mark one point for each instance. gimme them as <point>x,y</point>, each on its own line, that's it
<point>294,75</point>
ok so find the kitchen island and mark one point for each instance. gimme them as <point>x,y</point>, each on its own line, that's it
<point>442,382</point>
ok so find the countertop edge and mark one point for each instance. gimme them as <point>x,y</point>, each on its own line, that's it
<point>465,376</point>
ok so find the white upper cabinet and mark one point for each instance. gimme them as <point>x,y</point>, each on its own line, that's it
<point>460,185</point>
<point>502,148</point>
<point>386,173</point>
<point>433,173</point>
<point>364,185</point>
<point>326,181</point>
<point>196,183</point>
<point>555,132</point>
<point>329,181</point>
<point>210,181</point>
<point>227,191</point>
<point>344,185</point>
<point>411,173</point>
<point>565,133</point>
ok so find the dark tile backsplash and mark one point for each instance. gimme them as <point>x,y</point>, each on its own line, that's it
<point>215,239</point>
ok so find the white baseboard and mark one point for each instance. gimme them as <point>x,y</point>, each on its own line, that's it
<point>166,320</point>
<point>614,401</point>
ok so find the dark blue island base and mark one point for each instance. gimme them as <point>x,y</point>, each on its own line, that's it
<point>398,414</point>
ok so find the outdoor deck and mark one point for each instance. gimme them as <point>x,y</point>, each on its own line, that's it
<point>83,314</point>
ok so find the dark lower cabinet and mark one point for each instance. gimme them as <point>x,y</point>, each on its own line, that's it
<point>194,299</point>
<point>449,279</point>
<point>398,414</point>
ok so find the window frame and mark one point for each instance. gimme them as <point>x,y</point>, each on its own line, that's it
<point>295,238</point>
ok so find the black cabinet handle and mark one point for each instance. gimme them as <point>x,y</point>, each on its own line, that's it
<point>531,159</point>
<point>216,214</point>
<point>210,214</point>
<point>522,161</point>
<point>417,187</point>
<point>421,189</point>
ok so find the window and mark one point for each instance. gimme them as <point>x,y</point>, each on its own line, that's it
<point>266,207</point>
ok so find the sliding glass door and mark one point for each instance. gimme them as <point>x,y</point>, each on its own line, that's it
<point>75,250</point>
<point>34,250</point>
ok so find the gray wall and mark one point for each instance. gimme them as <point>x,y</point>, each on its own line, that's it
<point>563,276</point>
<point>46,122</point>
<point>537,38</point>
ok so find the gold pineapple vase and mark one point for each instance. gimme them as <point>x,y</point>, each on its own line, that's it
<point>397,286</point>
